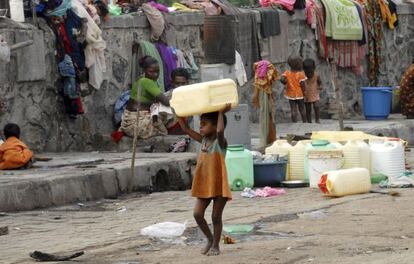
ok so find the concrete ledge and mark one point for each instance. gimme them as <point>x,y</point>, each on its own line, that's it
<point>77,177</point>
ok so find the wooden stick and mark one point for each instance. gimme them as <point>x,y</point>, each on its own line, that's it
<point>338,94</point>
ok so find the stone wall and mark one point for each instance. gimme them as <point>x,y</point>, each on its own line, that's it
<point>27,83</point>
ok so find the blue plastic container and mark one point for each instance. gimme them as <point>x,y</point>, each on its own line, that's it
<point>377,102</point>
<point>270,174</point>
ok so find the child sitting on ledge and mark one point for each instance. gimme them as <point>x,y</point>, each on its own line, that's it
<point>14,154</point>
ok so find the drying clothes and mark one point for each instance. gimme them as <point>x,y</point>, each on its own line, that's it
<point>186,60</point>
<point>407,92</point>
<point>342,20</point>
<point>393,9</point>
<point>149,49</point>
<point>293,89</point>
<point>60,10</point>
<point>170,63</point>
<point>156,21</point>
<point>66,68</point>
<point>375,36</point>
<point>95,48</point>
<point>70,88</point>
<point>287,4</point>
<point>120,106</point>
<point>247,42</point>
<point>63,38</point>
<point>182,8</point>
<point>264,100</point>
<point>275,48</point>
<point>210,175</point>
<point>14,154</point>
<point>240,71</point>
<point>261,69</point>
<point>159,6</point>
<point>310,16</point>
<point>270,23</point>
<point>362,17</point>
<point>73,25</point>
<point>386,14</point>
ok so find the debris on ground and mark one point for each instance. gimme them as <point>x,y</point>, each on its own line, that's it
<point>164,230</point>
<point>228,240</point>
<point>4,230</point>
<point>41,256</point>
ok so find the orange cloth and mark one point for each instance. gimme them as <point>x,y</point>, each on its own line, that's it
<point>293,88</point>
<point>210,176</point>
<point>386,14</point>
<point>14,154</point>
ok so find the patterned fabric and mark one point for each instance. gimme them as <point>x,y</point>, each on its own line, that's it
<point>407,92</point>
<point>312,89</point>
<point>264,100</point>
<point>210,176</point>
<point>374,25</point>
<point>342,20</point>
<point>146,127</point>
<point>293,88</point>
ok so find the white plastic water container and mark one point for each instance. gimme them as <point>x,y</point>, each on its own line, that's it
<point>322,161</point>
<point>357,154</point>
<point>281,148</point>
<point>387,158</point>
<point>345,182</point>
<point>16,10</point>
<point>199,98</point>
<point>297,161</point>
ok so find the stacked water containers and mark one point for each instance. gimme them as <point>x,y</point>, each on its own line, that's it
<point>321,156</point>
<point>356,155</point>
<point>297,160</point>
<point>387,158</point>
<point>281,148</point>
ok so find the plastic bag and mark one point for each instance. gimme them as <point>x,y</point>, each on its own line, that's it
<point>115,10</point>
<point>164,230</point>
<point>4,51</point>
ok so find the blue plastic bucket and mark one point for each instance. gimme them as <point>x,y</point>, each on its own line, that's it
<point>376,102</point>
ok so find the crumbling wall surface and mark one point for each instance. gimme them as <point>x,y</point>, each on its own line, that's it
<point>31,98</point>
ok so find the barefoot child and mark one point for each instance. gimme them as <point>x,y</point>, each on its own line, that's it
<point>294,93</point>
<point>210,177</point>
<point>312,86</point>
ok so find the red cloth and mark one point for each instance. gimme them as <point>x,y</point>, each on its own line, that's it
<point>117,136</point>
<point>64,36</point>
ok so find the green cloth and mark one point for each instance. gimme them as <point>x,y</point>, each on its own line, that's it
<point>149,89</point>
<point>149,49</point>
<point>342,20</point>
<point>264,118</point>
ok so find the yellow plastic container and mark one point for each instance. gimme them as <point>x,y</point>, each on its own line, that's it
<point>297,161</point>
<point>196,99</point>
<point>343,136</point>
<point>357,155</point>
<point>345,182</point>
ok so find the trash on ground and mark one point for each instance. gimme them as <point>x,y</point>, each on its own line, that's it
<point>238,229</point>
<point>4,230</point>
<point>313,215</point>
<point>228,240</point>
<point>265,192</point>
<point>391,193</point>
<point>164,230</point>
<point>404,181</point>
<point>121,209</point>
<point>41,256</point>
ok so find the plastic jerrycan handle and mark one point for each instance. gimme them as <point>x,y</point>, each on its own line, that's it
<point>322,184</point>
<point>235,148</point>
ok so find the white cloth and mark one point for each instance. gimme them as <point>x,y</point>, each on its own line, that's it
<point>240,71</point>
<point>95,48</point>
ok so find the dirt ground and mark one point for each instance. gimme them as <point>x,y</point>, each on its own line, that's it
<point>299,227</point>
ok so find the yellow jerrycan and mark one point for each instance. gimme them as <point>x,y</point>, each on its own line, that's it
<point>345,182</point>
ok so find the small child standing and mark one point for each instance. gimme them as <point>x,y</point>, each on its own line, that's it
<point>210,176</point>
<point>294,92</point>
<point>14,154</point>
<point>312,86</point>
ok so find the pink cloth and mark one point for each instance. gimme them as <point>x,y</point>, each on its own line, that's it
<point>288,4</point>
<point>309,11</point>
<point>261,69</point>
<point>268,192</point>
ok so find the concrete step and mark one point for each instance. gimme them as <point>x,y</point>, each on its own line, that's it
<point>78,177</point>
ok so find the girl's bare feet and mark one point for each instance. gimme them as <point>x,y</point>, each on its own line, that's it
<point>207,248</point>
<point>213,252</point>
